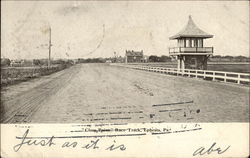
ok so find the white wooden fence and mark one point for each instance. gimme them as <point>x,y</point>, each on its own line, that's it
<point>206,74</point>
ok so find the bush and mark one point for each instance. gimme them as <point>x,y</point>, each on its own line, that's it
<point>5,62</point>
<point>37,62</point>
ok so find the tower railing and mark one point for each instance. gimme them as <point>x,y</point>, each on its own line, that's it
<point>180,50</point>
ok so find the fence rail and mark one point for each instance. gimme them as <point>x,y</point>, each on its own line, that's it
<point>239,78</point>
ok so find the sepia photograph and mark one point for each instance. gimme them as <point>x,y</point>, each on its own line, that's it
<point>122,63</point>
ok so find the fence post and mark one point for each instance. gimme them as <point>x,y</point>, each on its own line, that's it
<point>195,73</point>
<point>225,79</point>
<point>238,81</point>
<point>213,76</point>
<point>204,74</point>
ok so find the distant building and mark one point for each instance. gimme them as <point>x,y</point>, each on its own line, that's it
<point>120,59</point>
<point>21,63</point>
<point>190,52</point>
<point>134,56</point>
<point>146,58</point>
<point>108,61</point>
<point>16,63</point>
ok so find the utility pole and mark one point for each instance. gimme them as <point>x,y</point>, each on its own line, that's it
<point>49,46</point>
<point>115,57</point>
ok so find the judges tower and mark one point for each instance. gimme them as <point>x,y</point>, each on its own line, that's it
<point>190,52</point>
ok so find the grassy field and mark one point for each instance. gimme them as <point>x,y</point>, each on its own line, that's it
<point>242,68</point>
<point>11,75</point>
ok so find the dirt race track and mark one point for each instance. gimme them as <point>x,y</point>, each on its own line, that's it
<point>104,93</point>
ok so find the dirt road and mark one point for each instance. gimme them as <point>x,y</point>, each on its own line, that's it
<point>103,93</point>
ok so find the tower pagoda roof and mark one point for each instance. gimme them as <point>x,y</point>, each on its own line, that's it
<point>191,30</point>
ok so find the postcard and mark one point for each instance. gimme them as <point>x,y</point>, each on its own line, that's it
<point>125,79</point>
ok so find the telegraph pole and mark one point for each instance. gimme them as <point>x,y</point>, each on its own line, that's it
<point>115,56</point>
<point>49,46</point>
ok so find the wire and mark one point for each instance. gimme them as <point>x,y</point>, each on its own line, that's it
<point>99,44</point>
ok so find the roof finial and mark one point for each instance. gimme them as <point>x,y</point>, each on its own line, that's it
<point>190,17</point>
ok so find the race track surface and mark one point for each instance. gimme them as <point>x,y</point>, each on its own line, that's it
<point>103,93</point>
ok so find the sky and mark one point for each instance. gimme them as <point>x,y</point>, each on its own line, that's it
<point>87,29</point>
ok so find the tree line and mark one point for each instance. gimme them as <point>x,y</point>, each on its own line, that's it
<point>163,58</point>
<point>229,58</point>
<point>151,58</point>
<point>33,62</point>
